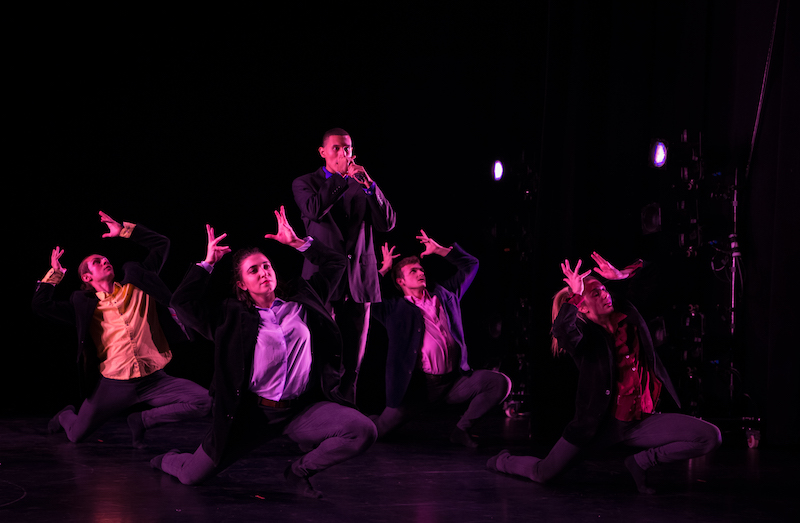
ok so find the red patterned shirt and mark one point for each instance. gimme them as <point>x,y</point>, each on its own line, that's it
<point>637,387</point>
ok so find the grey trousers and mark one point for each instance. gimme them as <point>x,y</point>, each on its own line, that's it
<point>483,389</point>
<point>330,433</point>
<point>172,399</point>
<point>352,318</point>
<point>664,438</point>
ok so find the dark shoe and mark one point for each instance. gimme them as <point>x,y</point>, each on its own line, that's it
<point>54,425</point>
<point>136,424</point>
<point>492,463</point>
<point>462,437</point>
<point>639,476</point>
<point>301,484</point>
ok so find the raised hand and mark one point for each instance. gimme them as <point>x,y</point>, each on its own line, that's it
<point>574,278</point>
<point>215,251</point>
<point>114,227</point>
<point>388,257</point>
<point>285,234</point>
<point>608,271</point>
<point>431,246</point>
<point>358,173</point>
<point>55,259</point>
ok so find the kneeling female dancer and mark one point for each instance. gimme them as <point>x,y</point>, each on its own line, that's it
<point>277,365</point>
<point>619,382</point>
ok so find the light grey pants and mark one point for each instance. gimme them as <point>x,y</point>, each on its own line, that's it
<point>664,438</point>
<point>172,399</point>
<point>331,433</point>
<point>483,389</point>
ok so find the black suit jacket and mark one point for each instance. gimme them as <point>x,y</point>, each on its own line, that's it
<point>592,349</point>
<point>337,212</point>
<point>79,309</point>
<point>233,327</point>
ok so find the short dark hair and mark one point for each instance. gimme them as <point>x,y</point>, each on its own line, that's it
<point>83,268</point>
<point>336,131</point>
<point>397,268</point>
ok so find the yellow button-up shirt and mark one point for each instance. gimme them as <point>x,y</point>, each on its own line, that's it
<point>126,331</point>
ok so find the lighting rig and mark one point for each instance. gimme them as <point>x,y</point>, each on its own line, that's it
<point>515,187</point>
<point>696,219</point>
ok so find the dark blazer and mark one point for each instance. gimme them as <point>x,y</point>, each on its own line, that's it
<point>233,327</point>
<point>79,310</point>
<point>340,214</point>
<point>405,325</point>
<point>592,349</point>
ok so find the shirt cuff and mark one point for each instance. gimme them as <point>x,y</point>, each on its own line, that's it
<point>576,300</point>
<point>53,276</point>
<point>371,189</point>
<point>308,240</point>
<point>127,229</point>
<point>207,266</point>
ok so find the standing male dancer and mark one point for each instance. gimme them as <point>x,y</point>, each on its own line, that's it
<point>122,349</point>
<point>341,205</point>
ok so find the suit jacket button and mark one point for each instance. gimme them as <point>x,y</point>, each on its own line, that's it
<point>608,393</point>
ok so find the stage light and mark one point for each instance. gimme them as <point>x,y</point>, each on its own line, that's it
<point>658,154</point>
<point>497,170</point>
<point>651,218</point>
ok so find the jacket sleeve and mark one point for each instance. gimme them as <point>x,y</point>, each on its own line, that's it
<point>567,328</point>
<point>156,244</point>
<point>192,302</point>
<point>315,202</point>
<point>46,306</point>
<point>592,397</point>
<point>467,268</point>
<point>593,393</point>
<point>381,211</point>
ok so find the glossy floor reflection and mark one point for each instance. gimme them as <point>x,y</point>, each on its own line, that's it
<point>417,476</point>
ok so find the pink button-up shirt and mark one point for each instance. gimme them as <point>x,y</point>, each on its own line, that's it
<point>438,346</point>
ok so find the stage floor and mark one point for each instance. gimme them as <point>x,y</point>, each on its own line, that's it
<point>416,476</point>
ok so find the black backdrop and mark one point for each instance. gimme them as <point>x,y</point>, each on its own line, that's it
<point>175,121</point>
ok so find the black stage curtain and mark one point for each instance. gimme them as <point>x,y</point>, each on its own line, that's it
<point>620,73</point>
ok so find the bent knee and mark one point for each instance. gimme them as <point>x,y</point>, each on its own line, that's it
<point>713,438</point>
<point>368,433</point>
<point>190,480</point>
<point>508,386</point>
<point>201,405</point>
<point>76,438</point>
<point>363,432</point>
<point>502,385</point>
